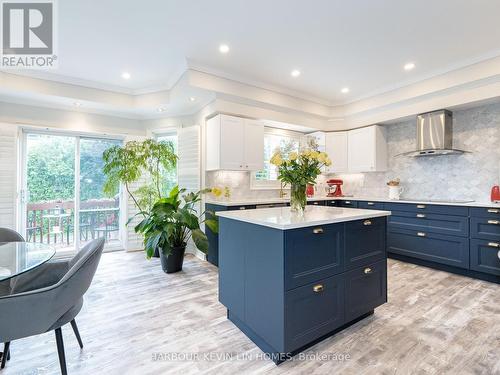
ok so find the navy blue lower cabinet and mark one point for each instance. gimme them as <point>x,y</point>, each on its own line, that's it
<point>316,203</point>
<point>365,289</point>
<point>486,228</point>
<point>428,222</point>
<point>485,256</point>
<point>370,205</point>
<point>313,253</point>
<point>439,248</point>
<point>288,289</point>
<point>348,203</point>
<point>365,242</point>
<point>313,310</point>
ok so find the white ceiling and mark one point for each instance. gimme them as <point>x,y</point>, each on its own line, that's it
<point>361,44</point>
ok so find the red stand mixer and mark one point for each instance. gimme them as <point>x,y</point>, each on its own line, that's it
<point>334,187</point>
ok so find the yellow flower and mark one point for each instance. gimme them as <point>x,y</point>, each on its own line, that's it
<point>216,191</point>
<point>314,154</point>
<point>328,162</point>
<point>293,156</point>
<point>322,157</point>
<point>305,153</point>
<point>276,159</point>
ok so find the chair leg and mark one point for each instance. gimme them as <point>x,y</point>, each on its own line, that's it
<point>6,350</point>
<point>77,334</point>
<point>60,351</point>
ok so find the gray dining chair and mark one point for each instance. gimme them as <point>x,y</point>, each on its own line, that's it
<point>9,235</point>
<point>37,305</point>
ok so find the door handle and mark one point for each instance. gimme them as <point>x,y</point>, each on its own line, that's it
<point>370,204</point>
<point>493,211</point>
<point>421,215</point>
<point>318,288</point>
<point>421,234</point>
<point>367,222</point>
<point>347,202</point>
<point>420,205</point>
<point>367,270</point>
<point>318,230</point>
<point>494,244</point>
<point>242,208</point>
<point>494,222</point>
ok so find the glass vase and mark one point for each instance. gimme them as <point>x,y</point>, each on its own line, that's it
<point>298,199</point>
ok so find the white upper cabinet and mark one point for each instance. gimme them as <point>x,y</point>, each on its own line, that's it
<point>367,149</point>
<point>234,143</point>
<point>336,148</point>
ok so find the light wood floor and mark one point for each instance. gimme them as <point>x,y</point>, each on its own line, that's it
<point>434,323</point>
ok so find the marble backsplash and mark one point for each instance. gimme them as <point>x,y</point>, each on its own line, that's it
<point>467,176</point>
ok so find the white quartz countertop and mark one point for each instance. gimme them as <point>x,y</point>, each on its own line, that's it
<point>260,201</point>
<point>283,218</point>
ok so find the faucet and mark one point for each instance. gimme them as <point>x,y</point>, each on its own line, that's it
<point>283,193</point>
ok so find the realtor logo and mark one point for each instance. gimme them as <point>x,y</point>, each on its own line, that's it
<point>28,34</point>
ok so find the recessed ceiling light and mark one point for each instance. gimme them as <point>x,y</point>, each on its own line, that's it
<point>345,90</point>
<point>223,48</point>
<point>192,98</point>
<point>126,75</point>
<point>409,66</point>
<point>77,104</point>
<point>295,73</point>
<point>161,109</point>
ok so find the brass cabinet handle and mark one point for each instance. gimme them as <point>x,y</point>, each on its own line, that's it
<point>318,230</point>
<point>367,270</point>
<point>420,205</point>
<point>318,288</point>
<point>493,211</point>
<point>421,215</point>
<point>367,222</point>
<point>370,204</point>
<point>494,222</point>
<point>421,234</point>
<point>316,203</point>
<point>347,202</point>
<point>242,208</point>
<point>494,244</point>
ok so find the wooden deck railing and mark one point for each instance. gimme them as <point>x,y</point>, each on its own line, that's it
<point>53,222</point>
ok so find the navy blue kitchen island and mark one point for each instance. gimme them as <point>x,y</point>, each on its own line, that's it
<point>289,281</point>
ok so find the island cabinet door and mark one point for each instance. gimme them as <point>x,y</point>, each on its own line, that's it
<point>365,289</point>
<point>364,242</point>
<point>313,310</point>
<point>313,253</point>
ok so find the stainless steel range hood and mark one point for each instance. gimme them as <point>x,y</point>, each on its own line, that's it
<point>434,135</point>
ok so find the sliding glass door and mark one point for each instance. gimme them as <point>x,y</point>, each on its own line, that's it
<point>63,203</point>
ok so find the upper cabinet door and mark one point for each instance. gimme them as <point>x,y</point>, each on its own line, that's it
<point>367,149</point>
<point>336,148</point>
<point>254,145</point>
<point>232,143</point>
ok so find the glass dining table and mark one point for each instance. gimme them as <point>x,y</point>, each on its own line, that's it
<point>20,257</point>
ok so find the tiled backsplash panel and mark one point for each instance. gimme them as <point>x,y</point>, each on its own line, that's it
<point>467,176</point>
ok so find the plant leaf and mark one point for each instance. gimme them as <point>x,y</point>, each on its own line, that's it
<point>200,240</point>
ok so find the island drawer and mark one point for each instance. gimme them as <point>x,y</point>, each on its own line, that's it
<point>313,253</point>
<point>427,208</point>
<point>313,310</point>
<point>428,222</point>
<point>489,212</point>
<point>439,248</point>
<point>485,256</point>
<point>371,205</point>
<point>364,242</point>
<point>485,228</point>
<point>316,203</point>
<point>365,289</point>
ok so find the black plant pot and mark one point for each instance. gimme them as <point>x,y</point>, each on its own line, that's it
<point>173,262</point>
<point>156,253</point>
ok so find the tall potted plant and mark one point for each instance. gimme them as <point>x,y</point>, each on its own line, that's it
<point>171,223</point>
<point>127,164</point>
<point>298,169</point>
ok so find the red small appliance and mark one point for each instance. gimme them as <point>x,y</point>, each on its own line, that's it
<point>334,186</point>
<point>495,194</point>
<point>310,190</point>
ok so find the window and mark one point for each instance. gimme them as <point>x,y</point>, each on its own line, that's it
<point>287,142</point>
<point>170,176</point>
